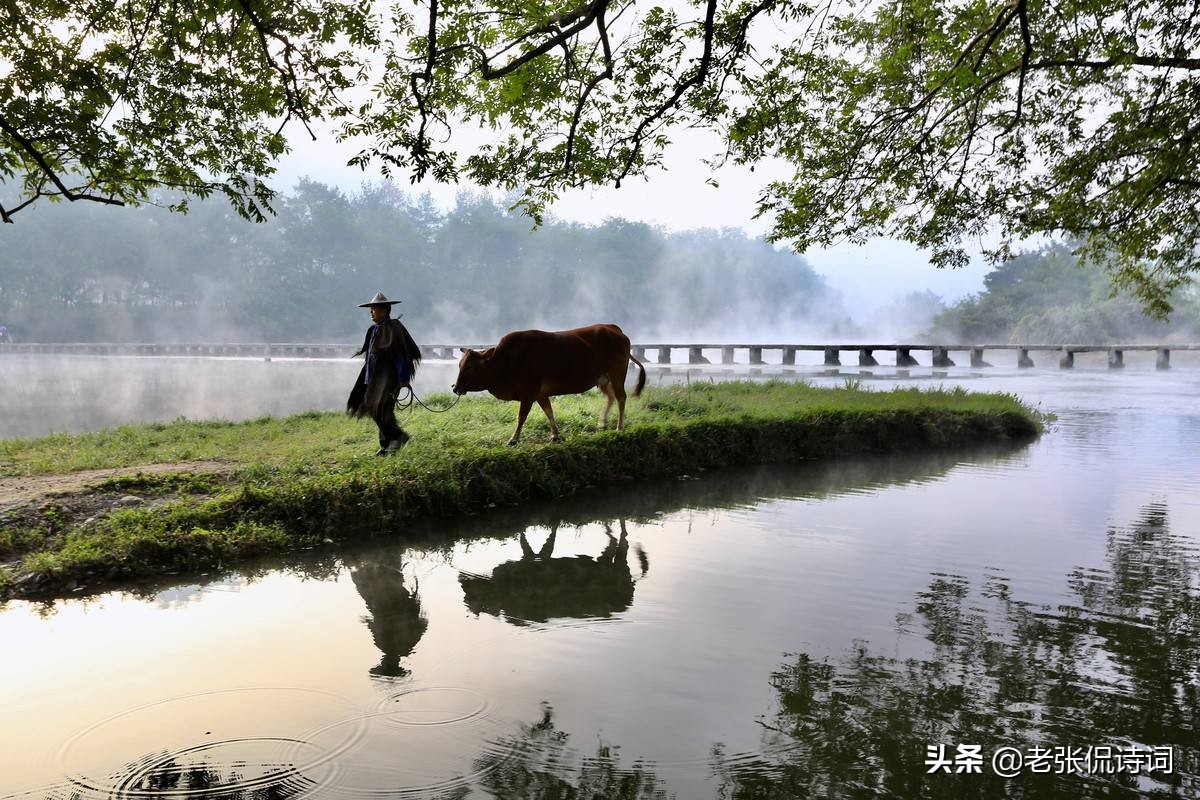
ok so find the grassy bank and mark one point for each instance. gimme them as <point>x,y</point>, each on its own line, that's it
<point>299,482</point>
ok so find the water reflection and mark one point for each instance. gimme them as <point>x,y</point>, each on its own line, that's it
<point>539,587</point>
<point>194,778</point>
<point>1119,668</point>
<point>396,620</point>
<point>666,704</point>
<point>541,764</point>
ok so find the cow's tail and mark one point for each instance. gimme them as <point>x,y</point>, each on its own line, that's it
<point>641,383</point>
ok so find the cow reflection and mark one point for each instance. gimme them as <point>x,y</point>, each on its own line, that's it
<point>539,587</point>
<point>396,621</point>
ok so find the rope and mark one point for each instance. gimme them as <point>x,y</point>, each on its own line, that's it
<point>407,403</point>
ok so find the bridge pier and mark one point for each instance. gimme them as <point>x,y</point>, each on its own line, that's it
<point>941,357</point>
<point>865,358</point>
<point>1023,359</point>
<point>696,356</point>
<point>756,355</point>
<point>664,355</point>
<point>832,357</point>
<point>726,355</point>
<point>1067,361</point>
<point>1116,359</point>
<point>904,358</point>
<point>639,353</point>
<point>1163,361</point>
<point>977,358</point>
<point>789,356</point>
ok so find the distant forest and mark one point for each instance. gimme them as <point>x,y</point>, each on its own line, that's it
<point>1045,297</point>
<point>85,273</point>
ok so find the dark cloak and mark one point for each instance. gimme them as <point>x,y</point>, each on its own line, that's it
<point>392,340</point>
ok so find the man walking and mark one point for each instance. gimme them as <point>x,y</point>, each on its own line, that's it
<point>391,359</point>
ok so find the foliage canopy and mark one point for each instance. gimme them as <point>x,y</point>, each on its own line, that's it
<point>111,101</point>
<point>935,121</point>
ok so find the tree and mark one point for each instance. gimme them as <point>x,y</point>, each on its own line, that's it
<point>935,121</point>
<point>111,102</point>
<point>1044,296</point>
<point>953,120</point>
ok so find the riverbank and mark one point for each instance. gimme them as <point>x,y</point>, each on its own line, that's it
<point>193,496</point>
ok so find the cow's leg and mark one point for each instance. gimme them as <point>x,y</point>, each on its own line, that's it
<point>618,389</point>
<point>521,415</point>
<point>548,548</point>
<point>544,402</point>
<point>606,388</point>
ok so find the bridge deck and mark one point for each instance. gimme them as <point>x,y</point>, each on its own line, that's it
<point>663,350</point>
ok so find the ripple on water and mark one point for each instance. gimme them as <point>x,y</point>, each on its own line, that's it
<point>214,744</point>
<point>433,705</point>
<point>417,741</point>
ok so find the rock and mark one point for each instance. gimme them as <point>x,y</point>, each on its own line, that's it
<point>130,500</point>
<point>30,582</point>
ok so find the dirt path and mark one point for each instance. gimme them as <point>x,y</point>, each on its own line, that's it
<point>15,491</point>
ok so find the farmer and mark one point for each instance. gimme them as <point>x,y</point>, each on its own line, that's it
<point>391,359</point>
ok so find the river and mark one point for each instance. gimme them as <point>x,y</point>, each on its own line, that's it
<point>847,629</point>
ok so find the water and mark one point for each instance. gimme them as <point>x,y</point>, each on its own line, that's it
<point>808,631</point>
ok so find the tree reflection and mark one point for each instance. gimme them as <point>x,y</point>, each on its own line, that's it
<point>1121,667</point>
<point>396,620</point>
<point>538,763</point>
<point>187,775</point>
<point>539,587</point>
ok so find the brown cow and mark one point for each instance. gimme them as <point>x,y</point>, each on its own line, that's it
<point>533,366</point>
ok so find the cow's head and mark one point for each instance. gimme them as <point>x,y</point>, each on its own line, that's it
<point>474,374</point>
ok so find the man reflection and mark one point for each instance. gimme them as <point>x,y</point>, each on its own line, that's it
<point>395,620</point>
<point>539,586</point>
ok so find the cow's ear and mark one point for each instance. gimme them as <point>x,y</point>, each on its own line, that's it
<point>465,350</point>
<point>491,351</point>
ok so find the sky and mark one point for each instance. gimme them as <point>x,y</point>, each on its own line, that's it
<point>679,198</point>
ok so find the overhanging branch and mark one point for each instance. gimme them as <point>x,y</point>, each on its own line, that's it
<point>49,172</point>
<point>681,87</point>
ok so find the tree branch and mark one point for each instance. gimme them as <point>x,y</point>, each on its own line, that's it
<point>1026,52</point>
<point>681,87</point>
<point>49,172</point>
<point>288,73</point>
<point>592,84</point>
<point>1129,60</point>
<point>581,17</point>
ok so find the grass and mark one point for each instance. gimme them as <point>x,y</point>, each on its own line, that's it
<point>301,481</point>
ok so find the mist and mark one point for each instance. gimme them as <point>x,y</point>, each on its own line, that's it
<point>471,272</point>
<point>465,275</point>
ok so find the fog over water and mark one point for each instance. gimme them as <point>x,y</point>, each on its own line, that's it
<point>69,394</point>
<point>783,632</point>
